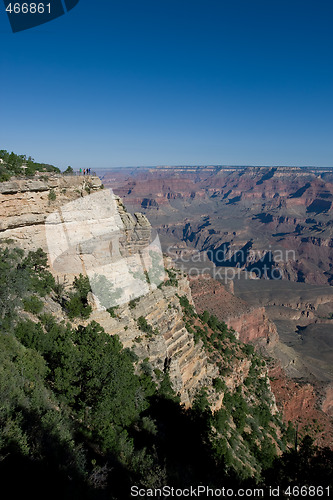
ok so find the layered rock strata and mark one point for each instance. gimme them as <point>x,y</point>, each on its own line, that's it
<point>170,347</point>
<point>94,234</point>
<point>251,323</point>
<point>26,203</point>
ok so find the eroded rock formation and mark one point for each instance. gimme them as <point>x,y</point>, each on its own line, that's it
<point>251,323</point>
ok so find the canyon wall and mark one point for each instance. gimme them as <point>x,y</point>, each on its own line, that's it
<point>251,323</point>
<point>97,231</point>
<point>27,208</point>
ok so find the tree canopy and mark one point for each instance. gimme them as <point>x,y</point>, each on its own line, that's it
<point>13,164</point>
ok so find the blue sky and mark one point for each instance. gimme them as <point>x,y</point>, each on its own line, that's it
<point>141,82</point>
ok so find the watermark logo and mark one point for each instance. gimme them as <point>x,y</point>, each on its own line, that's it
<point>93,235</point>
<point>226,265</point>
<point>24,15</point>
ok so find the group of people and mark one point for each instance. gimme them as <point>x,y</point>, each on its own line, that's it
<point>86,171</point>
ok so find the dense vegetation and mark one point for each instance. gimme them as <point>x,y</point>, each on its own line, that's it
<point>248,433</point>
<point>12,164</point>
<point>82,417</point>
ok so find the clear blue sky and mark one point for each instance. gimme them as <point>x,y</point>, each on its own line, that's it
<point>151,82</point>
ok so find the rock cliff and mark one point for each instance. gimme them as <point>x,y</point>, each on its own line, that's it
<point>170,346</point>
<point>25,207</point>
<point>55,213</point>
<point>251,323</point>
<point>298,403</point>
<point>26,203</point>
<point>28,207</point>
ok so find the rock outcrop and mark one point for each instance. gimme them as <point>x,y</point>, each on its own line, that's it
<point>251,323</point>
<point>298,403</point>
<point>26,203</point>
<point>170,347</point>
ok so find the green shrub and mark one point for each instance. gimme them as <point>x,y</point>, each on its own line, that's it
<point>41,280</point>
<point>144,326</point>
<point>158,373</point>
<point>52,195</point>
<point>220,420</point>
<point>112,311</point>
<point>82,286</point>
<point>204,316</point>
<point>166,390</point>
<point>290,433</point>
<point>188,309</point>
<point>146,367</point>
<point>33,304</point>
<point>75,308</point>
<point>4,176</point>
<point>200,402</point>
<point>248,349</point>
<point>219,385</point>
<point>77,305</point>
<point>30,334</point>
<point>12,165</point>
<point>172,281</point>
<point>132,303</point>
<point>212,322</point>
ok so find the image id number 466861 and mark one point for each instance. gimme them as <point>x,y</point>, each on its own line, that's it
<point>307,491</point>
<point>28,8</point>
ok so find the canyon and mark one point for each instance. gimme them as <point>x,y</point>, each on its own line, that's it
<point>81,211</point>
<point>225,210</point>
<point>102,340</point>
<point>261,315</point>
<point>265,235</point>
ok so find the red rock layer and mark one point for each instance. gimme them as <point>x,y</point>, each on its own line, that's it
<point>251,323</point>
<point>299,403</point>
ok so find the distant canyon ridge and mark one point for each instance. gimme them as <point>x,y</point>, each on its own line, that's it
<point>270,221</point>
